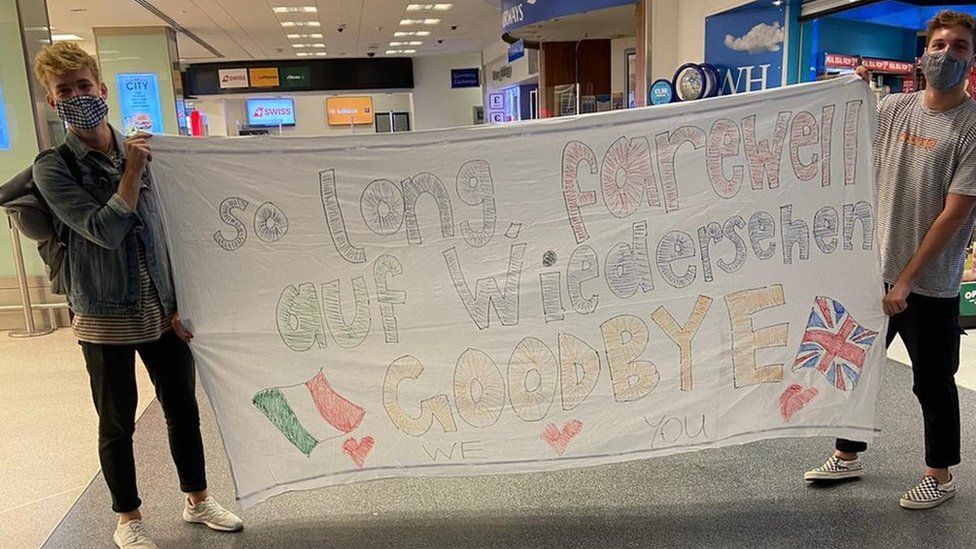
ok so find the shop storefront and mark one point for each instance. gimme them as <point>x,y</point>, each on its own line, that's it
<point>769,43</point>
<point>753,47</point>
<point>512,86</point>
<point>566,57</point>
<point>887,37</point>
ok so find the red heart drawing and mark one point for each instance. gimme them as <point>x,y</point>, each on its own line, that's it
<point>793,399</point>
<point>559,439</point>
<point>358,450</point>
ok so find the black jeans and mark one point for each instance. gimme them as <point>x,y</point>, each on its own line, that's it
<point>111,369</point>
<point>929,327</point>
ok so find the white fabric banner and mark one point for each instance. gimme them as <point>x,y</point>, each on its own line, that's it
<point>553,294</point>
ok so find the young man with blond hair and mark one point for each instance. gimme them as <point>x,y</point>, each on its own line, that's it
<point>120,289</point>
<point>925,163</point>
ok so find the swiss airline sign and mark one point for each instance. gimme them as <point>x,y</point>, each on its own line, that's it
<point>263,112</point>
<point>232,78</point>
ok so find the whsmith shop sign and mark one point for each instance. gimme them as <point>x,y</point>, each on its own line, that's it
<point>518,13</point>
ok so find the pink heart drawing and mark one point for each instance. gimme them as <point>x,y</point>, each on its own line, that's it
<point>793,399</point>
<point>358,450</point>
<point>559,439</point>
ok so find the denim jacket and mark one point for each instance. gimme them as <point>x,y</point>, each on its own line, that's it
<point>102,243</point>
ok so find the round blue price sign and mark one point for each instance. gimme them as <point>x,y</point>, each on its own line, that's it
<point>661,93</point>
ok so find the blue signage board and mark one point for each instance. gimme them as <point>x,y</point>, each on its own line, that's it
<point>518,13</point>
<point>747,46</point>
<point>4,136</point>
<point>139,103</point>
<point>465,78</point>
<point>181,117</point>
<point>516,50</point>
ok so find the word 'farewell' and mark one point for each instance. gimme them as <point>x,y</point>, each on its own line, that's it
<point>627,172</point>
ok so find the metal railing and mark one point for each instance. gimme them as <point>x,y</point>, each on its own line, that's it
<point>26,305</point>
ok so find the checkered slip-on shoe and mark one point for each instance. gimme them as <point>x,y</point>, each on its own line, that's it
<point>835,469</point>
<point>928,494</point>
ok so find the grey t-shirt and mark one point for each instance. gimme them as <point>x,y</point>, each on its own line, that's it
<point>921,157</point>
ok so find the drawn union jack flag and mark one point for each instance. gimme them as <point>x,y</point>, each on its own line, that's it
<point>834,343</point>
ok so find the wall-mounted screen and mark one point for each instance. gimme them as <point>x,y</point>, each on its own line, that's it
<point>270,111</point>
<point>139,103</point>
<point>4,138</point>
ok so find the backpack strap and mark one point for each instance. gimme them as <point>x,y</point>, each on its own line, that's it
<point>61,229</point>
<point>69,158</point>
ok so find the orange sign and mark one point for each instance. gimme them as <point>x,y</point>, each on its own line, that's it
<point>345,110</point>
<point>264,78</point>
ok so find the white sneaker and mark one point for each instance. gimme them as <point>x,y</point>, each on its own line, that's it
<point>132,535</point>
<point>835,469</point>
<point>210,512</point>
<point>928,494</point>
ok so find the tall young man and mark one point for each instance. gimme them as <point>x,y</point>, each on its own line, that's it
<point>925,161</point>
<point>120,289</point>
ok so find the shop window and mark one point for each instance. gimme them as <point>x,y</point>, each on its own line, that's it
<point>389,122</point>
<point>630,63</point>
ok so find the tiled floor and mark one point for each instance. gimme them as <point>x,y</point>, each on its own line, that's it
<point>48,454</point>
<point>48,431</point>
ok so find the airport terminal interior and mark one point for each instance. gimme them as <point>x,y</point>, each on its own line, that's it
<point>335,74</point>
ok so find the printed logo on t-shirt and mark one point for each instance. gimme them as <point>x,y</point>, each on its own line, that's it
<point>918,141</point>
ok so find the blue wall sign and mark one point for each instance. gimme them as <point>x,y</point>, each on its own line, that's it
<point>4,136</point>
<point>139,103</point>
<point>518,13</point>
<point>747,46</point>
<point>465,78</point>
<point>516,50</point>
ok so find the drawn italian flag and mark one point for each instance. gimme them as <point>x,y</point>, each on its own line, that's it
<point>298,412</point>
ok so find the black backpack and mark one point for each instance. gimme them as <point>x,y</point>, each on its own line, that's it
<point>33,217</point>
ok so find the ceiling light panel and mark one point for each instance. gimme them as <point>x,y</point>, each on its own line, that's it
<point>429,7</point>
<point>295,9</point>
<point>429,22</point>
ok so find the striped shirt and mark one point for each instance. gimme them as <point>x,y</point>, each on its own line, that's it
<point>922,156</point>
<point>148,325</point>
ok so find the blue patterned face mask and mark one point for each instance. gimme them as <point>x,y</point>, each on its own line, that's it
<point>944,71</point>
<point>84,112</point>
